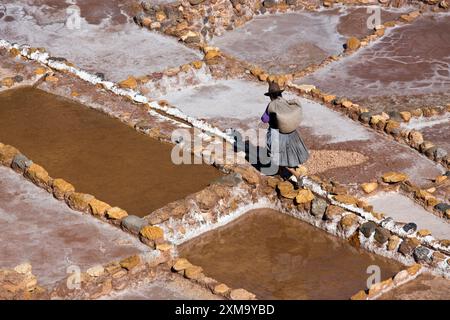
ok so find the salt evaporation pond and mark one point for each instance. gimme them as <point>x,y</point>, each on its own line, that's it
<point>407,68</point>
<point>279,257</point>
<point>106,39</point>
<point>99,155</point>
<point>289,42</point>
<point>36,228</point>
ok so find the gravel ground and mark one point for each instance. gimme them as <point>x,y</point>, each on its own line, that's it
<point>323,160</point>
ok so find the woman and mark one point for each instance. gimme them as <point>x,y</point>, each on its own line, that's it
<point>285,146</point>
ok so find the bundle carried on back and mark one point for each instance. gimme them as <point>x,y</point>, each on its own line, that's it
<point>285,115</point>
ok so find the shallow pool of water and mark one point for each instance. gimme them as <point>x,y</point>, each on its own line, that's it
<point>96,153</point>
<point>277,256</point>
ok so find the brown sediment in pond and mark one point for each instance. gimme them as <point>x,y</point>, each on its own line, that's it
<point>98,154</point>
<point>425,287</point>
<point>279,257</point>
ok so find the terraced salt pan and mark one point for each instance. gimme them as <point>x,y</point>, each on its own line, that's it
<point>36,228</point>
<point>435,129</point>
<point>239,104</point>
<point>401,63</point>
<point>100,44</point>
<point>285,43</point>
<point>403,209</point>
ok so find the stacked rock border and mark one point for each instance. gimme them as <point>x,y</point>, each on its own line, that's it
<point>398,182</point>
<point>399,279</point>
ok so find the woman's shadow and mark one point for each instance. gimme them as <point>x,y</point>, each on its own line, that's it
<point>256,155</point>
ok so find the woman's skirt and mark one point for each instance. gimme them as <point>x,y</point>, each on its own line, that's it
<point>286,150</point>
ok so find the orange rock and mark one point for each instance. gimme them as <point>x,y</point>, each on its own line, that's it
<point>62,189</point>
<point>51,78</point>
<point>221,289</point>
<point>79,201</point>
<point>116,213</point>
<point>369,187</point>
<point>129,83</point>
<point>406,115</point>
<point>7,154</point>
<point>348,221</point>
<point>197,64</point>
<point>414,269</point>
<point>98,208</point>
<point>193,272</point>
<point>152,232</point>
<point>38,176</point>
<point>440,179</point>
<point>424,232</point>
<point>241,294</point>
<point>347,199</point>
<point>40,71</point>
<point>361,295</point>
<point>181,264</point>
<point>256,71</point>
<point>353,43</point>
<point>328,98</point>
<point>130,262</point>
<point>8,82</point>
<point>304,196</point>
<point>211,54</point>
<point>394,177</point>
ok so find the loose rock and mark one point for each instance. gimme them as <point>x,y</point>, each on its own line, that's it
<point>62,189</point>
<point>318,207</point>
<point>241,294</point>
<point>368,228</point>
<point>116,213</point>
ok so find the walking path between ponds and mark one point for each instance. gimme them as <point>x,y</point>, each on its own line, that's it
<point>97,154</point>
<point>403,209</point>
<point>276,256</point>
<point>239,104</point>
<point>36,228</point>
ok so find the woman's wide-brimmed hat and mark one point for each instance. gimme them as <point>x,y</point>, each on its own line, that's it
<point>274,88</point>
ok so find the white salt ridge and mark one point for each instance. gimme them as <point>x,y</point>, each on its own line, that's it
<point>191,232</point>
<point>422,122</point>
<point>44,58</point>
